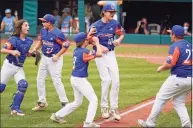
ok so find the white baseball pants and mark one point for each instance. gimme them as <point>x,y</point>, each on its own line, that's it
<point>55,70</point>
<point>176,88</point>
<point>109,72</point>
<point>81,88</point>
<point>8,70</point>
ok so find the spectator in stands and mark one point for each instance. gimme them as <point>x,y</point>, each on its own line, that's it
<point>57,17</point>
<point>8,22</point>
<point>186,28</point>
<point>142,27</point>
<point>66,22</point>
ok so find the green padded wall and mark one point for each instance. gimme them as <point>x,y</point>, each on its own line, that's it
<point>149,39</point>
<point>30,9</point>
<point>81,15</point>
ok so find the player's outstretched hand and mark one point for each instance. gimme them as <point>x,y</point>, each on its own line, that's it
<point>55,58</point>
<point>159,69</point>
<point>116,42</point>
<point>15,53</point>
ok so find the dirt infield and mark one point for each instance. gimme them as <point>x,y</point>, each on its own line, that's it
<point>130,115</point>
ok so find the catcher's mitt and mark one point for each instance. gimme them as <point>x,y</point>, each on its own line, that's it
<point>37,56</point>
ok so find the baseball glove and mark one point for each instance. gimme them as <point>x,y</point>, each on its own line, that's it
<point>37,56</point>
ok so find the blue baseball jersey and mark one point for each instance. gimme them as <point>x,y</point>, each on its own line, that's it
<point>106,32</point>
<point>9,24</point>
<point>81,57</point>
<point>23,46</point>
<point>180,56</point>
<point>52,41</point>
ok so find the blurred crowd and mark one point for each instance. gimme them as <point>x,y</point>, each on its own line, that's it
<point>70,24</point>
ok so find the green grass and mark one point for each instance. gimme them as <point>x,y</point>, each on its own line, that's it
<point>171,119</point>
<point>138,78</point>
<point>153,51</point>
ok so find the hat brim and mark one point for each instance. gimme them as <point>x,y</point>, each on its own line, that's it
<point>42,19</point>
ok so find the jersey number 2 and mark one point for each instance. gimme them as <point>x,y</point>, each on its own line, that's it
<point>187,61</point>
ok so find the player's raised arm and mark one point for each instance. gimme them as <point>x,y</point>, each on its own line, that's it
<point>98,46</point>
<point>38,44</point>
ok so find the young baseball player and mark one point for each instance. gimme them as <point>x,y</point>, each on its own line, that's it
<point>114,2</point>
<point>178,84</point>
<point>81,86</point>
<point>17,47</point>
<point>54,44</point>
<point>106,29</point>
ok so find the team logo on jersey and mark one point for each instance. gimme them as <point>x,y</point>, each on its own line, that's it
<point>112,7</point>
<point>111,29</point>
<point>169,59</point>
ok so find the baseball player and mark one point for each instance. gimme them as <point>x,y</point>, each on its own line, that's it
<point>178,84</point>
<point>54,44</point>
<point>17,47</point>
<point>114,2</point>
<point>106,29</point>
<point>81,86</point>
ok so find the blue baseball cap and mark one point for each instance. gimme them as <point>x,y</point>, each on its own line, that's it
<point>80,37</point>
<point>178,30</point>
<point>48,18</point>
<point>8,10</point>
<point>109,7</point>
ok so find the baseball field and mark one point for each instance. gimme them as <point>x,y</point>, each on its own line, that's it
<point>138,79</point>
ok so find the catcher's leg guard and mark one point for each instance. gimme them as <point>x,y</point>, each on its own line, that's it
<point>2,87</point>
<point>18,98</point>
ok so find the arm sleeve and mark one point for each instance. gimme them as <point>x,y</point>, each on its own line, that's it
<point>62,40</point>
<point>174,53</point>
<point>10,44</point>
<point>119,30</point>
<point>88,55</point>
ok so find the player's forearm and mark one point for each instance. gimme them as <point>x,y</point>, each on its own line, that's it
<point>38,45</point>
<point>165,66</point>
<point>98,46</point>
<point>120,39</point>
<point>62,51</point>
<point>99,51</point>
<point>6,51</point>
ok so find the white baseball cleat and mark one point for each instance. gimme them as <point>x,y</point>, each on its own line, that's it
<point>115,114</point>
<point>105,113</point>
<point>57,119</point>
<point>40,106</point>
<point>143,124</point>
<point>188,125</point>
<point>91,125</point>
<point>17,112</point>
